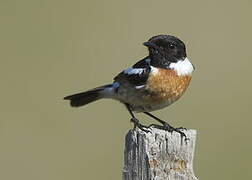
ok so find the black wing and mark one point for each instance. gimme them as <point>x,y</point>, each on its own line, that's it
<point>137,74</point>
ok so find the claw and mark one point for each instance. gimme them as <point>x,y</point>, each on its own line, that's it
<point>139,125</point>
<point>181,128</point>
<point>178,130</point>
<point>170,129</point>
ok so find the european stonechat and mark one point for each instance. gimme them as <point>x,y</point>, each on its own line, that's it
<point>152,83</point>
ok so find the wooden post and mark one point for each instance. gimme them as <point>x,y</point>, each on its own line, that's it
<point>158,155</point>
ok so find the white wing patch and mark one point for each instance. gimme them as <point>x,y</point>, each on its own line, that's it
<point>131,70</point>
<point>140,87</point>
<point>183,67</point>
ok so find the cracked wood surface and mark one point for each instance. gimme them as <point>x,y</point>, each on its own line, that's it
<point>158,155</point>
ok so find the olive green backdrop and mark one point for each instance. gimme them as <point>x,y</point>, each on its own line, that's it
<point>52,48</point>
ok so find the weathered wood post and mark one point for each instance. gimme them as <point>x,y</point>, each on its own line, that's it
<point>158,155</point>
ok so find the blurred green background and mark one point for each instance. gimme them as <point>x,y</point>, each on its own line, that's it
<point>53,48</point>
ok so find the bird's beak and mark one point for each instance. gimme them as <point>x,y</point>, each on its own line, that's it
<point>149,44</point>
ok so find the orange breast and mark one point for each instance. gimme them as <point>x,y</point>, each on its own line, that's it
<point>166,85</point>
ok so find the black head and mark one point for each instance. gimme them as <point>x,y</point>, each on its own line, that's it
<point>166,49</point>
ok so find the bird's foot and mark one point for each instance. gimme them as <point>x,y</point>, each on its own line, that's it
<point>139,125</point>
<point>170,129</point>
<point>181,128</point>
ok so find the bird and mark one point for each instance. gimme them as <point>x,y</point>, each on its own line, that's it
<point>153,83</point>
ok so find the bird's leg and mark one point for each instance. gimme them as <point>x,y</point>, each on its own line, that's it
<point>166,126</point>
<point>136,121</point>
<point>159,120</point>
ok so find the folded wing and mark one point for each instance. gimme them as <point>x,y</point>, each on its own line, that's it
<point>137,74</point>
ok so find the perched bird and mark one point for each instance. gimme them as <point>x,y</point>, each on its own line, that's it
<point>152,83</point>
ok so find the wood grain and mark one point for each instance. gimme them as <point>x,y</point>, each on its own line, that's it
<point>158,155</point>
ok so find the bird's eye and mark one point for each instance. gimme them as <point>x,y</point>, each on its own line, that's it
<point>172,46</point>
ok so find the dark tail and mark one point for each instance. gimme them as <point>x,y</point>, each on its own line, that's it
<point>87,97</point>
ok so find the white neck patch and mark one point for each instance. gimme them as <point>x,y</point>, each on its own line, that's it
<point>183,67</point>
